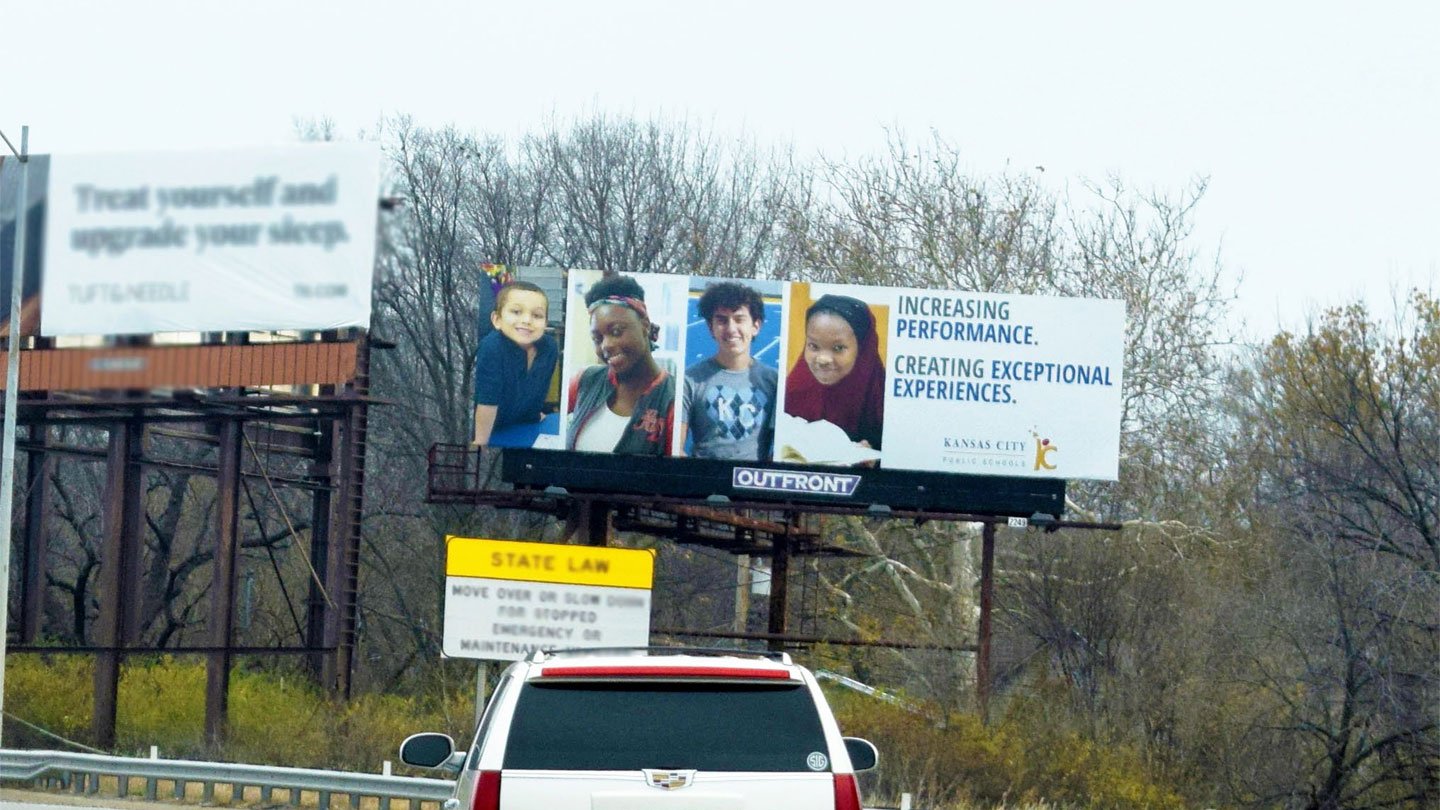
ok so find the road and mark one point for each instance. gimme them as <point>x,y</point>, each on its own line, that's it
<point>36,800</point>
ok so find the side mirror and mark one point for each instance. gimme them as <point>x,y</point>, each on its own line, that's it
<point>863,755</point>
<point>427,750</point>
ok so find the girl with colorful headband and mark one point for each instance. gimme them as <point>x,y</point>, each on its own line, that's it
<point>626,405</point>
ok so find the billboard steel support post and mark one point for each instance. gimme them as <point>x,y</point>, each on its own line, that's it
<point>597,530</point>
<point>987,595</point>
<point>120,592</point>
<point>322,513</point>
<point>779,580</point>
<point>12,395</point>
<point>343,574</point>
<point>222,597</point>
<point>37,508</point>
<point>588,522</point>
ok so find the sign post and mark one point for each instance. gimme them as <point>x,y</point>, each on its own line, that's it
<point>12,394</point>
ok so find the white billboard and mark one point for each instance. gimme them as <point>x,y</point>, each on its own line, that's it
<point>257,239</point>
<point>505,599</point>
<point>815,374</point>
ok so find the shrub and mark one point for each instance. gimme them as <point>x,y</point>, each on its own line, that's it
<point>161,703</point>
<point>275,718</point>
<point>281,718</point>
<point>961,763</point>
<point>54,692</point>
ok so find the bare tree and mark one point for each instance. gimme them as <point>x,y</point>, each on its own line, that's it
<point>1340,424</point>
<point>659,197</point>
<point>914,217</point>
<point>1139,248</point>
<point>917,585</point>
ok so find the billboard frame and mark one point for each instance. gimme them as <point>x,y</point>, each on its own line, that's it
<point>705,479</point>
<point>458,474</point>
<point>333,424</point>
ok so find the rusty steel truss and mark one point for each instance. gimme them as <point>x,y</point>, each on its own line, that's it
<point>307,400</point>
<point>778,529</point>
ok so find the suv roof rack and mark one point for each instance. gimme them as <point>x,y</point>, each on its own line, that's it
<point>544,655</point>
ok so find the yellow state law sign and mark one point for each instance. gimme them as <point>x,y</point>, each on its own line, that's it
<point>549,562</point>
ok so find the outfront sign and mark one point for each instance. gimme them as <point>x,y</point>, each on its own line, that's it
<point>785,481</point>
<point>504,599</point>
<point>259,239</point>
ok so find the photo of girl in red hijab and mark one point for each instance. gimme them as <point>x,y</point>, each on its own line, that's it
<point>840,377</point>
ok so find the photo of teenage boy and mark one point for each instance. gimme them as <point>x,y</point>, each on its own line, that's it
<point>840,377</point>
<point>626,404</point>
<point>729,403</point>
<point>515,362</point>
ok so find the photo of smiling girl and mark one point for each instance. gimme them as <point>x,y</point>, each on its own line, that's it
<point>626,404</point>
<point>836,386</point>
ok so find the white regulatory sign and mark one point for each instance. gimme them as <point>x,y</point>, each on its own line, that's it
<point>506,620</point>
<point>505,599</point>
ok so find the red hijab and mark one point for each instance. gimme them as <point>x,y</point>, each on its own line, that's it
<point>857,402</point>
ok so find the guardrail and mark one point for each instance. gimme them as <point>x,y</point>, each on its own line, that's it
<point>81,773</point>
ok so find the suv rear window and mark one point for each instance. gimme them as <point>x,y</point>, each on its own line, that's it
<point>628,726</point>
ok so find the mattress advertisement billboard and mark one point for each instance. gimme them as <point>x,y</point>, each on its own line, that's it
<point>262,239</point>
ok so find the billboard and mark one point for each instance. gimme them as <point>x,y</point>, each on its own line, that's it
<point>811,374</point>
<point>247,240</point>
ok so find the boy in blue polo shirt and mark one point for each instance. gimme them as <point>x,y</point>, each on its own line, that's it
<point>515,362</point>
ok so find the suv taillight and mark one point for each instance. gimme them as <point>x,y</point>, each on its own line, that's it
<point>487,792</point>
<point>847,792</point>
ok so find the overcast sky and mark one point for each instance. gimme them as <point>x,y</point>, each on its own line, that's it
<point>1317,123</point>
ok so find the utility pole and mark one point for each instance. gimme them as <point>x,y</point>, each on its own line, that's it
<point>741,623</point>
<point>12,395</point>
<point>987,600</point>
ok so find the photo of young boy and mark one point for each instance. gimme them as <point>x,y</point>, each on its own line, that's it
<point>514,367</point>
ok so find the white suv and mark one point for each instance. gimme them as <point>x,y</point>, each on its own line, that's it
<point>664,728</point>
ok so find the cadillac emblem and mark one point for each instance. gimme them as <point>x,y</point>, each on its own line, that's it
<point>669,780</point>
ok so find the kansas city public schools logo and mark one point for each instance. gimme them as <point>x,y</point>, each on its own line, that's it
<point>1043,448</point>
<point>669,780</point>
